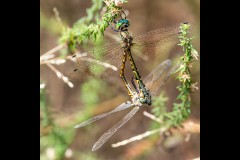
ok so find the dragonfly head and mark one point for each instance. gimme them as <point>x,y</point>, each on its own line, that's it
<point>122,25</point>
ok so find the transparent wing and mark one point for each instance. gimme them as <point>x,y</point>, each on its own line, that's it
<point>156,42</point>
<point>157,72</point>
<point>114,129</point>
<point>159,76</point>
<point>121,107</point>
<point>98,62</point>
<point>103,62</point>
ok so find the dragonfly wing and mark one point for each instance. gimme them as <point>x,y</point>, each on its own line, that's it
<point>114,129</point>
<point>158,34</point>
<point>159,76</point>
<point>157,72</point>
<point>121,107</point>
<point>98,62</point>
<point>156,42</point>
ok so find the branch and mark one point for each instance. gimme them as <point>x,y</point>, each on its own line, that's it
<point>60,75</point>
<point>52,51</point>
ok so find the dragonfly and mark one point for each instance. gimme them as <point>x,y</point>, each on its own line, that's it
<point>117,54</point>
<point>154,81</point>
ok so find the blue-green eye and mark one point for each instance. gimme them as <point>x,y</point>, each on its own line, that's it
<point>125,21</point>
<point>122,22</point>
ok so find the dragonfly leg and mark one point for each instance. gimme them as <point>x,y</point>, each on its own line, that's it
<point>130,93</point>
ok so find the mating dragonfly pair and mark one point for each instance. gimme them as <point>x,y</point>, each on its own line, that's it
<point>151,43</point>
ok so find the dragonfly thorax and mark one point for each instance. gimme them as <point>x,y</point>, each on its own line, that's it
<point>127,41</point>
<point>146,98</point>
<point>136,99</point>
<point>140,98</point>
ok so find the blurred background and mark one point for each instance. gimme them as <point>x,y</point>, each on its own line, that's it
<point>62,107</point>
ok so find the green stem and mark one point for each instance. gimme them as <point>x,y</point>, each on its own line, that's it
<point>181,110</point>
